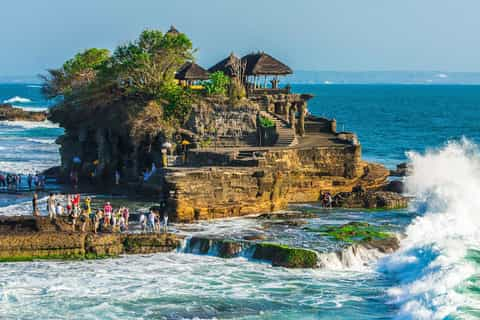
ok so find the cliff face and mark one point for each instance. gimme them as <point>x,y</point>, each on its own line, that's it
<point>129,137</point>
<point>286,176</point>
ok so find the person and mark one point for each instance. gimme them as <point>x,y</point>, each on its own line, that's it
<point>73,217</point>
<point>122,224</point>
<point>59,209</point>
<point>83,219</point>
<point>76,204</point>
<point>30,181</point>
<point>95,218</point>
<point>126,215</point>
<point>51,206</point>
<point>87,206</point>
<point>35,204</point>
<point>142,222</point>
<point>165,222</point>
<point>107,211</point>
<point>117,177</point>
<point>151,221</point>
<point>329,200</point>
<point>3,183</point>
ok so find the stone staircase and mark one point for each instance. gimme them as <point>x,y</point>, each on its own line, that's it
<point>286,135</point>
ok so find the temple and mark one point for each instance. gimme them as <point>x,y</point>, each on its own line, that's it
<point>255,148</point>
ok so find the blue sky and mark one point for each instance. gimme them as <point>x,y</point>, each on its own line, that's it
<point>339,35</point>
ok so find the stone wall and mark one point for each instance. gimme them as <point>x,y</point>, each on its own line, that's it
<point>233,126</point>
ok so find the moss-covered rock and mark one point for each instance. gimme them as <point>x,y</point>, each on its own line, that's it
<point>354,232</point>
<point>285,256</point>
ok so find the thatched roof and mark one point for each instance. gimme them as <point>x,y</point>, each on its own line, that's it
<point>226,65</point>
<point>264,64</point>
<point>191,71</point>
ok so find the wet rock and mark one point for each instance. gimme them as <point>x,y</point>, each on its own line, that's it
<point>402,170</point>
<point>10,113</point>
<point>388,245</point>
<point>396,186</point>
<point>254,237</point>
<point>287,215</point>
<point>285,256</point>
<point>370,200</point>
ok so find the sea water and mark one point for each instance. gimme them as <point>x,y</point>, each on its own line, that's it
<point>434,275</point>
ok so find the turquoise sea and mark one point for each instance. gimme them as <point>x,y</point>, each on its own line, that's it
<point>434,275</point>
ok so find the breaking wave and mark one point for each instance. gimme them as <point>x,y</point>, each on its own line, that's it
<point>431,267</point>
<point>17,99</point>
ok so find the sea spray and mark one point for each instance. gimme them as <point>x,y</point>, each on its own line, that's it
<point>430,266</point>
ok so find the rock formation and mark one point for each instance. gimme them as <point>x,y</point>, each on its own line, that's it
<point>10,113</point>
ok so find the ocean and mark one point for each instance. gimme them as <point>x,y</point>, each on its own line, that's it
<point>434,275</point>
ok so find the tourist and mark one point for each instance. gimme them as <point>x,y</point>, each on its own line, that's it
<point>76,204</point>
<point>151,221</point>
<point>59,209</point>
<point>35,204</point>
<point>73,218</point>
<point>142,222</point>
<point>126,215</point>
<point>83,219</point>
<point>117,177</point>
<point>107,211</point>
<point>95,219</point>
<point>122,224</point>
<point>87,206</point>
<point>165,222</point>
<point>30,181</point>
<point>3,182</point>
<point>51,206</point>
<point>329,200</point>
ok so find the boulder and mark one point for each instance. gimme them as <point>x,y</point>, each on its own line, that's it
<point>370,200</point>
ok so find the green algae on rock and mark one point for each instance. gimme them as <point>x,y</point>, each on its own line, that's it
<point>285,256</point>
<point>353,232</point>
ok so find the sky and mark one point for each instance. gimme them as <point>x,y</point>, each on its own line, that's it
<point>342,35</point>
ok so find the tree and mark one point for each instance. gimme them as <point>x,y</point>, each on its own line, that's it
<point>217,84</point>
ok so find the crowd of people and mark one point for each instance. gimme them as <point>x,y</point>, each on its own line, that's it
<point>155,221</point>
<point>102,219</point>
<point>13,182</point>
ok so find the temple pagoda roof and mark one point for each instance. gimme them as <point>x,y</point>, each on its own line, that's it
<point>191,71</point>
<point>264,64</point>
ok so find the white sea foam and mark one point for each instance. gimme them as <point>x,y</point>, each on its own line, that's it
<point>352,258</point>
<point>35,109</point>
<point>431,264</point>
<point>29,124</point>
<point>17,99</point>
<point>42,141</point>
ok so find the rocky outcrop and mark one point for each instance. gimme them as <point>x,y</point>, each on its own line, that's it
<point>286,176</point>
<point>10,113</point>
<point>370,200</point>
<point>28,238</point>
<point>278,255</point>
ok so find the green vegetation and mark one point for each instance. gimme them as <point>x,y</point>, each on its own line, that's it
<point>353,232</point>
<point>266,122</point>
<point>135,73</point>
<point>285,256</point>
<point>218,84</point>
